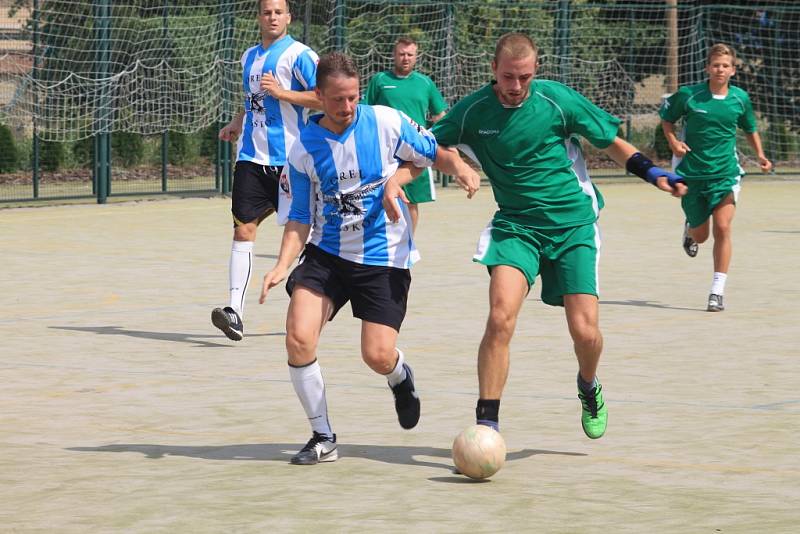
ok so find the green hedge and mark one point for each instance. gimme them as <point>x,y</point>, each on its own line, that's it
<point>9,155</point>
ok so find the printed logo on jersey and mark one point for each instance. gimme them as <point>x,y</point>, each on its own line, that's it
<point>350,175</point>
<point>256,101</point>
<point>416,126</point>
<point>350,203</point>
<point>486,132</point>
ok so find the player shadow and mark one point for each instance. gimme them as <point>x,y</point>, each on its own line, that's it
<point>637,303</point>
<point>268,256</point>
<point>194,339</point>
<point>282,452</point>
<point>647,304</point>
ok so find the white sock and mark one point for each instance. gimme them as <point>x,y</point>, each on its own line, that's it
<point>398,374</point>
<point>718,285</point>
<point>310,389</point>
<point>239,270</point>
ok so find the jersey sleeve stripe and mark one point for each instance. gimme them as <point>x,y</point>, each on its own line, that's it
<point>561,111</point>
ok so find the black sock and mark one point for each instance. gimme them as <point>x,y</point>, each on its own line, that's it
<point>586,387</point>
<point>488,413</point>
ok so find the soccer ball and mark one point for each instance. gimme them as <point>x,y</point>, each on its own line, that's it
<point>479,452</point>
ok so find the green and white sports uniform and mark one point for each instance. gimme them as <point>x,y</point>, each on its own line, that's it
<point>417,96</point>
<point>546,223</point>
<point>711,169</point>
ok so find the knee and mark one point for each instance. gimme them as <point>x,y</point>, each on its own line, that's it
<point>245,232</point>
<point>586,335</point>
<point>722,230</point>
<point>700,234</point>
<point>301,349</point>
<point>380,359</point>
<point>500,325</point>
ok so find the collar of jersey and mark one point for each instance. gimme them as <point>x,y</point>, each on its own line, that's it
<point>262,50</point>
<point>392,74</point>
<point>313,122</point>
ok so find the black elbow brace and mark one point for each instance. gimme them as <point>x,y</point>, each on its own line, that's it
<point>641,166</point>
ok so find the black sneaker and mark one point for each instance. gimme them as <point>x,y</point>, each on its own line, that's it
<point>715,303</point>
<point>406,401</point>
<point>690,246</point>
<point>320,448</point>
<point>227,320</point>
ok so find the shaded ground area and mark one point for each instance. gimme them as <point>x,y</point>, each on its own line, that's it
<point>125,410</point>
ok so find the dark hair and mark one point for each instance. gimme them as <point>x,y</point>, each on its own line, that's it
<point>335,64</point>
<point>515,45</point>
<point>405,40</point>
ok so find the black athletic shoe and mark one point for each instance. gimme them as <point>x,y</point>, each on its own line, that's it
<point>690,246</point>
<point>406,401</point>
<point>715,303</point>
<point>320,448</point>
<point>227,320</point>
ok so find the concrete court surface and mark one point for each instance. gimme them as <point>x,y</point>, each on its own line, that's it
<point>124,410</point>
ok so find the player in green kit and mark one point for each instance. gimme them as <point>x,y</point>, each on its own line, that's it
<point>523,132</point>
<point>706,158</point>
<point>416,95</point>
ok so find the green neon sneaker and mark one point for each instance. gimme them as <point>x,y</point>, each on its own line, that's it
<point>594,415</point>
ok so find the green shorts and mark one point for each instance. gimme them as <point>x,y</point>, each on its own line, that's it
<point>422,189</point>
<point>704,195</point>
<point>566,258</point>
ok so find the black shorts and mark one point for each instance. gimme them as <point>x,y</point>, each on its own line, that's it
<point>376,294</point>
<point>255,192</point>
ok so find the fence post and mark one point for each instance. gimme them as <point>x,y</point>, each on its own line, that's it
<point>629,68</point>
<point>307,22</point>
<point>36,52</point>
<point>338,24</point>
<point>449,68</point>
<point>672,46</point>
<point>224,147</point>
<point>562,44</point>
<point>164,159</point>
<point>102,10</point>
<point>165,133</point>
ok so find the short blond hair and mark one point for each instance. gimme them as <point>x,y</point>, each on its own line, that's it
<point>258,6</point>
<point>721,49</point>
<point>515,45</point>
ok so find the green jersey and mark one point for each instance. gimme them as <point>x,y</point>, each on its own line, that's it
<point>530,153</point>
<point>415,95</point>
<point>710,123</point>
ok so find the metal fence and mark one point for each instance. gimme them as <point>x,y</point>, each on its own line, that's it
<point>101,99</point>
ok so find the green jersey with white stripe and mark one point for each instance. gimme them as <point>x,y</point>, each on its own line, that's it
<point>415,95</point>
<point>530,153</point>
<point>710,123</point>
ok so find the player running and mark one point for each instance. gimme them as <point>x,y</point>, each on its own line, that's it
<point>705,156</point>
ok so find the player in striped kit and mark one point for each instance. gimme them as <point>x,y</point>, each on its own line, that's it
<point>278,78</point>
<point>346,169</point>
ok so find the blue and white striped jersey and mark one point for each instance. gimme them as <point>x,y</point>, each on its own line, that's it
<point>337,185</point>
<point>270,125</point>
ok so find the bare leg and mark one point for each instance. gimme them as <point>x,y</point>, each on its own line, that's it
<point>413,209</point>
<point>507,292</point>
<point>582,318</point>
<point>723,243</point>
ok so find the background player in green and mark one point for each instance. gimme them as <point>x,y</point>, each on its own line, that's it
<point>522,133</point>
<point>706,158</point>
<point>416,95</point>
